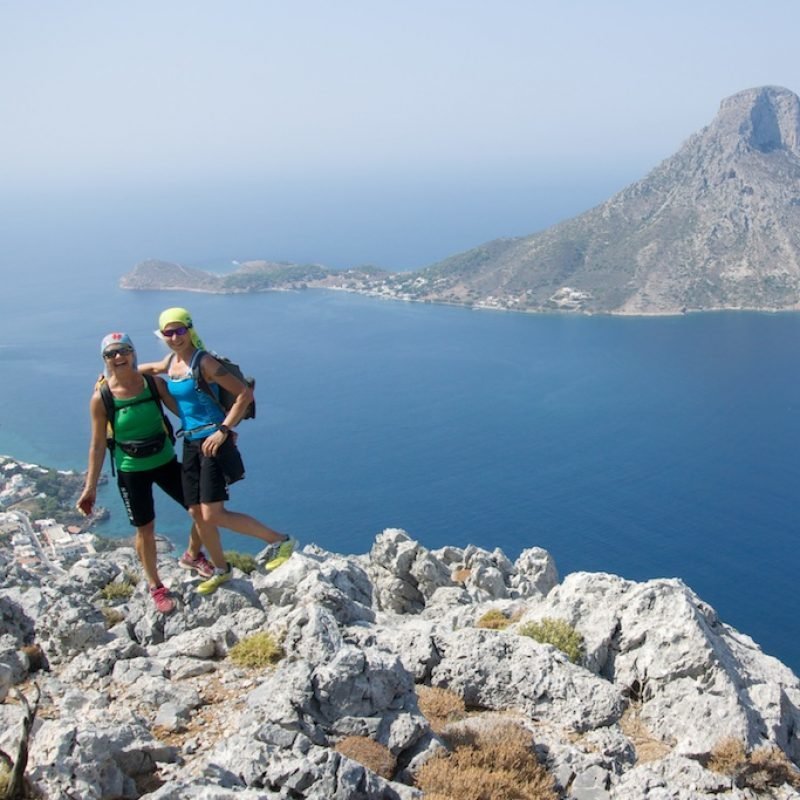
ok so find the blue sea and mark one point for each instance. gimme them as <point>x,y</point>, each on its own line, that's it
<point>646,447</point>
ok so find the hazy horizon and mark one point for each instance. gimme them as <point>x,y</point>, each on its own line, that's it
<point>352,133</point>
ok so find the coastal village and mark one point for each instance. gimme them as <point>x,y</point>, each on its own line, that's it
<point>38,522</point>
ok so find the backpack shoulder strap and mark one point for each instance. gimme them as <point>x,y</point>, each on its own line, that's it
<point>108,403</point>
<point>200,383</point>
<point>197,373</point>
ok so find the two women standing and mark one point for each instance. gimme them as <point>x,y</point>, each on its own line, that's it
<point>211,460</point>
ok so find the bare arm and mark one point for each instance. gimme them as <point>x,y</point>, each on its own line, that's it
<point>216,372</point>
<point>97,453</point>
<point>166,398</point>
<point>156,367</point>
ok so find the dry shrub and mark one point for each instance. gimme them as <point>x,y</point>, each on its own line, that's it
<point>727,757</point>
<point>5,776</point>
<point>494,619</point>
<point>461,575</point>
<point>257,651</point>
<point>769,767</point>
<point>648,748</point>
<point>439,706</point>
<point>496,764</point>
<point>764,768</point>
<point>112,616</point>
<point>118,590</point>
<point>370,753</point>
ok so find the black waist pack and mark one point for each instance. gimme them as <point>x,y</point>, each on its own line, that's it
<point>141,448</point>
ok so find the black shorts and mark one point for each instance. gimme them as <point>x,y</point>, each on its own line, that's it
<point>136,489</point>
<point>206,478</point>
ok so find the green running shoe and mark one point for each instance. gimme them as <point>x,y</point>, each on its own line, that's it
<point>215,581</point>
<point>283,555</point>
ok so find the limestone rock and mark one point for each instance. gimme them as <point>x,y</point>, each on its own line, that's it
<point>661,677</point>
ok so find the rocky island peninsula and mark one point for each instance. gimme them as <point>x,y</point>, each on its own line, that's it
<point>715,226</point>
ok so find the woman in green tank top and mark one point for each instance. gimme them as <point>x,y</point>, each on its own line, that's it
<point>143,455</point>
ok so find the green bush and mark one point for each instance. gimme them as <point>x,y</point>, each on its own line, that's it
<point>257,651</point>
<point>241,561</point>
<point>118,590</point>
<point>557,632</point>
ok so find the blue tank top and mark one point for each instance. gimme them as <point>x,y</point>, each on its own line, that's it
<point>195,407</point>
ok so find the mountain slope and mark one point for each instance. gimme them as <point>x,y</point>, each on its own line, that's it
<point>715,226</point>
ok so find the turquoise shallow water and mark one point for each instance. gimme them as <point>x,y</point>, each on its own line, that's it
<point>644,447</point>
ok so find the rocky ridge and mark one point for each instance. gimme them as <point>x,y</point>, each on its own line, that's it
<point>715,226</point>
<point>151,707</point>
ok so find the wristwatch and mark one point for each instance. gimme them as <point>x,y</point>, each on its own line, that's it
<point>225,429</point>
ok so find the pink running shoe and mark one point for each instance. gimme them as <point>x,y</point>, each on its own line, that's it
<point>163,602</point>
<point>199,564</point>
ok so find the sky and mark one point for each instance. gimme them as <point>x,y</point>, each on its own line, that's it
<point>473,119</point>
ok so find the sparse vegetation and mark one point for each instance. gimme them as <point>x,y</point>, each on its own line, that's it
<point>494,764</point>
<point>257,651</point>
<point>112,616</point>
<point>648,747</point>
<point>242,561</point>
<point>440,706</point>
<point>557,632</point>
<point>761,770</point>
<point>5,775</point>
<point>121,588</point>
<point>494,619</point>
<point>727,757</point>
<point>370,753</point>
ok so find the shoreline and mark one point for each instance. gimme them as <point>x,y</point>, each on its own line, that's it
<point>476,306</point>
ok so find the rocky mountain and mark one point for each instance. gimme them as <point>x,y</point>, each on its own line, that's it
<point>715,226</point>
<point>658,699</point>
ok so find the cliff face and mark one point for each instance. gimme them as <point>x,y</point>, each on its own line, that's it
<point>153,706</point>
<point>715,226</point>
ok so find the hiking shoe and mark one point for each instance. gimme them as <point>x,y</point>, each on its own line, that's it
<point>283,555</point>
<point>163,602</point>
<point>215,581</point>
<point>199,564</point>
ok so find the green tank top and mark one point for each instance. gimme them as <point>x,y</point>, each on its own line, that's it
<point>134,419</point>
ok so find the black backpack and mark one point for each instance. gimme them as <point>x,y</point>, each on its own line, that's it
<point>111,411</point>
<point>225,399</point>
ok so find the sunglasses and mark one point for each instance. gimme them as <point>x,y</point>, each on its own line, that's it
<point>180,331</point>
<point>117,351</point>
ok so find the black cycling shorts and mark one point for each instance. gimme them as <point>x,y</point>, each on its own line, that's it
<point>136,489</point>
<point>206,478</point>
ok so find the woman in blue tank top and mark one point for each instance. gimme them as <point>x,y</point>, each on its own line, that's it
<point>211,460</point>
